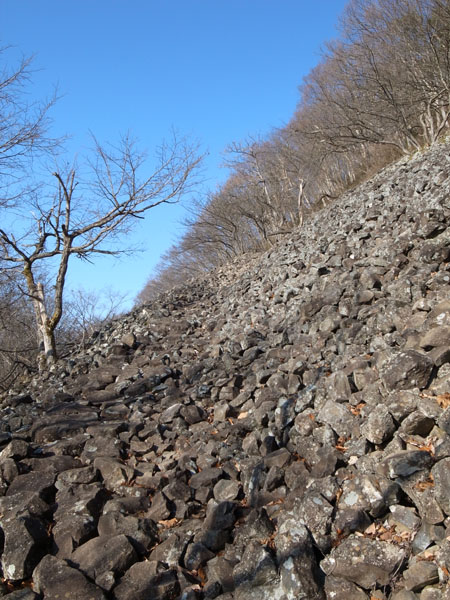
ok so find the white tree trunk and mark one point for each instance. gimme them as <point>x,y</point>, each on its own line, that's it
<point>46,345</point>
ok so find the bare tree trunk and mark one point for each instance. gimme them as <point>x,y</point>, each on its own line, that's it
<point>47,332</point>
<point>46,336</point>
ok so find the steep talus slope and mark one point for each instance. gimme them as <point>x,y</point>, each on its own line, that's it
<point>276,430</point>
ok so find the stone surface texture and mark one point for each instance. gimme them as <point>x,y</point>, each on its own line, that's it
<point>278,429</point>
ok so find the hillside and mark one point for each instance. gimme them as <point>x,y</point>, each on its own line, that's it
<point>278,430</point>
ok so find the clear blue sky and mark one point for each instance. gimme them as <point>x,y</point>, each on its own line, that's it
<point>217,70</point>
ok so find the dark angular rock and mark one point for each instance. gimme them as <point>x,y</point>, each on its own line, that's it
<point>441,476</point>
<point>178,490</point>
<point>143,581</point>
<point>142,533</point>
<point>55,579</point>
<point>295,554</point>
<point>25,542</point>
<point>226,490</point>
<point>380,426</point>
<point>350,520</point>
<point>255,568</point>
<point>16,449</point>
<point>341,589</point>
<point>435,337</point>
<point>104,557</point>
<point>81,475</point>
<point>278,458</point>
<point>159,509</point>
<point>338,417</point>
<point>406,370</point>
<point>170,551</point>
<point>193,414</point>
<point>78,507</point>
<point>364,561</point>
<point>114,473</point>
<point>28,503</point>
<point>205,478</point>
<point>40,482</point>
<point>405,463</point>
<point>417,423</point>
<point>219,515</point>
<point>196,555</point>
<point>23,594</point>
<point>371,493</point>
<point>426,535</point>
<point>419,575</point>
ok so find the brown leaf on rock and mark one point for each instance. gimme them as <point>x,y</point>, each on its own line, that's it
<point>356,410</point>
<point>340,443</point>
<point>424,485</point>
<point>169,523</point>
<point>202,575</point>
<point>443,400</point>
<point>275,502</point>
<point>371,530</point>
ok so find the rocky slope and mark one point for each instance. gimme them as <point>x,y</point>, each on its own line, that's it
<point>278,430</point>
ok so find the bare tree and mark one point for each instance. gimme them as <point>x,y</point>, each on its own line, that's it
<point>380,91</point>
<point>387,81</point>
<point>18,345</point>
<point>86,213</point>
<point>24,127</point>
<point>87,311</point>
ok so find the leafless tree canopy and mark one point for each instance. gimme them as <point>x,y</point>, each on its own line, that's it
<point>75,211</point>
<point>81,215</point>
<point>381,90</point>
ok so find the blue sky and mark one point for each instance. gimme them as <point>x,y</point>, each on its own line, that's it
<point>216,70</point>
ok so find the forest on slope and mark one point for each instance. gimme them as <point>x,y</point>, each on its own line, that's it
<point>380,91</point>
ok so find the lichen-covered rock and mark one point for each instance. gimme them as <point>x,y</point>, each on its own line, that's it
<point>406,370</point>
<point>363,561</point>
<point>441,476</point>
<point>25,543</point>
<point>405,463</point>
<point>380,426</point>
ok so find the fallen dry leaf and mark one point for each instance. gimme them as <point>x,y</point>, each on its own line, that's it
<point>201,573</point>
<point>356,410</point>
<point>340,443</point>
<point>275,502</point>
<point>424,485</point>
<point>443,400</point>
<point>169,523</point>
<point>371,530</point>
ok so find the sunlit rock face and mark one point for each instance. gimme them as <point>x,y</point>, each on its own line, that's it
<point>277,430</point>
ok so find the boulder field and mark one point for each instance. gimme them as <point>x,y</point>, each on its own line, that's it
<point>276,430</point>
